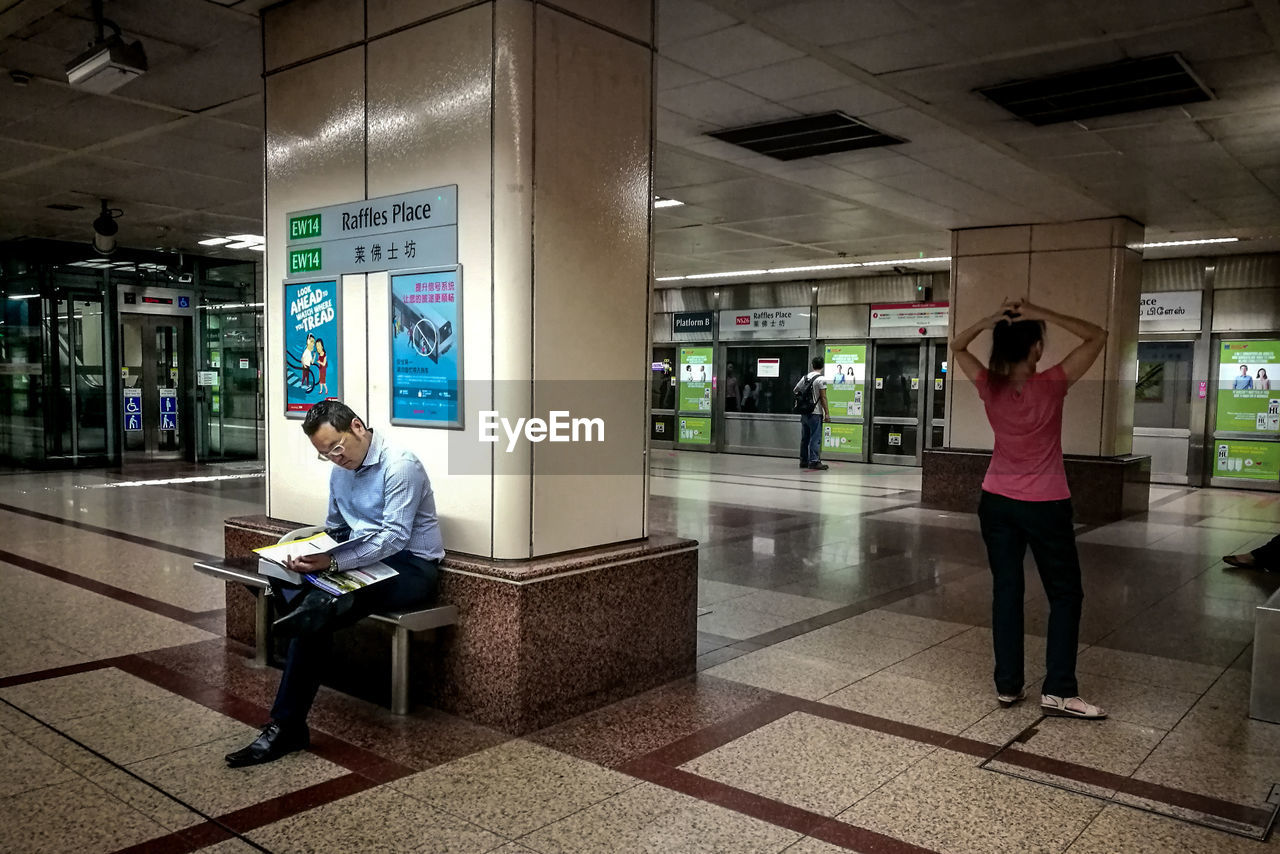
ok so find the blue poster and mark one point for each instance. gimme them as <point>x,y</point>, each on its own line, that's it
<point>311,345</point>
<point>426,347</point>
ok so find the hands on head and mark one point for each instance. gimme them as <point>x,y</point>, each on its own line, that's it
<point>1014,310</point>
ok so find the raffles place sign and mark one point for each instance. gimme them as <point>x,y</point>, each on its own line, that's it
<point>404,231</point>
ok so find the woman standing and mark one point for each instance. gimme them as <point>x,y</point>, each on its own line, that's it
<point>1025,500</point>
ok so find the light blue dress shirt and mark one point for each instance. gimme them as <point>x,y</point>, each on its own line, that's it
<point>389,497</point>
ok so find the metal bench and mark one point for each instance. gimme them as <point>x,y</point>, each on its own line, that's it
<point>1264,691</point>
<point>403,621</point>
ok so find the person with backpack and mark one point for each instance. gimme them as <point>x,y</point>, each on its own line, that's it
<point>811,396</point>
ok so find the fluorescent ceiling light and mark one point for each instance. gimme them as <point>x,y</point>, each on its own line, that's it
<point>247,238</point>
<point>244,244</point>
<point>1189,242</point>
<point>259,248</point>
<point>215,241</point>
<point>805,269</point>
<point>659,202</point>
<point>24,296</point>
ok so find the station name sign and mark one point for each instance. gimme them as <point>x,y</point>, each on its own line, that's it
<point>414,229</point>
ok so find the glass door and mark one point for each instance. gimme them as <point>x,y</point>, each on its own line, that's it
<point>936,388</point>
<point>896,401</point>
<point>77,353</point>
<point>155,376</point>
<point>1162,402</point>
<point>227,388</point>
<point>758,383</point>
<point>662,395</point>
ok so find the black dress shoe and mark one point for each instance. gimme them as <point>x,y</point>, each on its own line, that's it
<point>273,742</point>
<point>315,612</point>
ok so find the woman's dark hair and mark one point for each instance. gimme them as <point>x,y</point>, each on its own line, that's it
<point>1011,343</point>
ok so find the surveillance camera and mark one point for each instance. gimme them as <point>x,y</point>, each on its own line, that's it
<point>105,229</point>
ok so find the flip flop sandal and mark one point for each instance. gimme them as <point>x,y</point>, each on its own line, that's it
<point>1232,560</point>
<point>1053,705</point>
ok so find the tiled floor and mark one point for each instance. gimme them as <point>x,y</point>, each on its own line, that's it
<point>843,700</point>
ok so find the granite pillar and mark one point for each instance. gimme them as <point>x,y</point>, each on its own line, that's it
<point>1089,269</point>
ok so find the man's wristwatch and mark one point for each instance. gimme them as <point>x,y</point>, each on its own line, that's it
<point>333,563</point>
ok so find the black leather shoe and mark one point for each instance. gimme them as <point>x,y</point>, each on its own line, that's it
<point>316,612</point>
<point>273,742</point>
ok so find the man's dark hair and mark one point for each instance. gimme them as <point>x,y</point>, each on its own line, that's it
<point>335,413</point>
<point>816,363</point>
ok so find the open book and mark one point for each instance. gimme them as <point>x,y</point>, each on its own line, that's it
<point>273,559</point>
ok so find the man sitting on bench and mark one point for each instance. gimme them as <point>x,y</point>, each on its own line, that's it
<point>375,489</point>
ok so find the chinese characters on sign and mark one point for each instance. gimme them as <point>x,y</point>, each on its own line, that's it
<point>426,348</point>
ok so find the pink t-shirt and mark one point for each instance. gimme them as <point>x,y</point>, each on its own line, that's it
<point>1027,461</point>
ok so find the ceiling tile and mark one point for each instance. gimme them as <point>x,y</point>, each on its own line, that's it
<point>680,20</point>
<point>721,104</point>
<point>87,120</point>
<point>793,78</point>
<point>825,22</point>
<point>672,74</point>
<point>730,51</point>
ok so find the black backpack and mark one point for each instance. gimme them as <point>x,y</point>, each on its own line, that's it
<point>804,402</point>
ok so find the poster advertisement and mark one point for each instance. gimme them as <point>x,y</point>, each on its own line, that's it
<point>1252,460</point>
<point>426,348</point>
<point>695,380</point>
<point>842,438</point>
<point>845,368</point>
<point>312,371</point>
<point>695,431</point>
<point>1248,399</point>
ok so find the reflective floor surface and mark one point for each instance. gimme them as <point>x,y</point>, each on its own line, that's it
<point>843,699</point>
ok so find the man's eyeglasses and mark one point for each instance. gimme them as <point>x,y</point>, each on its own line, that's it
<point>334,452</point>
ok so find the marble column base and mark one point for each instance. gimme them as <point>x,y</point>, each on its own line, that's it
<point>1103,489</point>
<point>537,641</point>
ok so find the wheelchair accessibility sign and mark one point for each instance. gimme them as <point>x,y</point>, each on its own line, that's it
<point>168,409</point>
<point>133,409</point>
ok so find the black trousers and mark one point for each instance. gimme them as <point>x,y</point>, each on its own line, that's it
<point>414,587</point>
<point>1268,556</point>
<point>1009,526</point>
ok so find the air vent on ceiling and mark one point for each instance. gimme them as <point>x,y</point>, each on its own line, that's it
<point>63,207</point>
<point>809,136</point>
<point>1102,90</point>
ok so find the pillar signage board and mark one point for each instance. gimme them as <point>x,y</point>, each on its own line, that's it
<point>1180,309</point>
<point>845,369</point>
<point>168,408</point>
<point>1248,399</point>
<point>426,348</point>
<point>132,409</point>
<point>765,323</point>
<point>900,319</point>
<point>693,321</point>
<point>312,345</point>
<point>1247,460</point>
<point>696,374</point>
<point>408,230</point>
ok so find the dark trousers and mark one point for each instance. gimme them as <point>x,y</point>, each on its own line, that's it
<point>414,587</point>
<point>810,438</point>
<point>1268,556</point>
<point>1008,527</point>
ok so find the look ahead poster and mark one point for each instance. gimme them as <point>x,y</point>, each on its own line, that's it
<point>311,344</point>
<point>426,346</point>
<point>695,379</point>
<point>845,369</point>
<point>1248,399</point>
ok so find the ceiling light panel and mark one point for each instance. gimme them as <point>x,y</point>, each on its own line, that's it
<point>808,136</point>
<point>1101,90</point>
